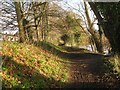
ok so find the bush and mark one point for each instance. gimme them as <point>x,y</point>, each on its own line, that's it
<point>112,65</point>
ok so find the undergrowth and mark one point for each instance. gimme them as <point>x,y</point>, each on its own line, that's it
<point>28,66</point>
<point>112,66</point>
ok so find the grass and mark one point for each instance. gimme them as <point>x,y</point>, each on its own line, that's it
<point>50,46</point>
<point>112,65</point>
<point>30,66</point>
<point>27,66</point>
<point>61,52</point>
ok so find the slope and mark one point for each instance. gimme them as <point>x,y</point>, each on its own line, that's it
<point>27,66</point>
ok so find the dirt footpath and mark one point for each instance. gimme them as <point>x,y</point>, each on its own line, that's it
<point>88,73</point>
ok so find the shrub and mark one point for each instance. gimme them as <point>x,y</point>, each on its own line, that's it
<point>112,65</point>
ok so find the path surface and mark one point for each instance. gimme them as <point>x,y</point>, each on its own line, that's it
<point>86,71</point>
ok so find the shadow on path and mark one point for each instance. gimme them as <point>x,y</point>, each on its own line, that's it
<point>66,54</point>
<point>87,69</point>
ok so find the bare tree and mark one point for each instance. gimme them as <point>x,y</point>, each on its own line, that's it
<point>89,24</point>
<point>92,31</point>
<point>20,19</point>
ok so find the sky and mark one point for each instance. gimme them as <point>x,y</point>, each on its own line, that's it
<point>77,6</point>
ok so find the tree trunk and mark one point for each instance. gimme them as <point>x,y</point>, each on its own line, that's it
<point>113,37</point>
<point>45,21</point>
<point>91,30</point>
<point>110,28</point>
<point>20,21</point>
<point>36,22</point>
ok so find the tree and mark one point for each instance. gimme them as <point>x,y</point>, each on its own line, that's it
<point>14,17</point>
<point>92,31</point>
<point>20,19</point>
<point>40,14</point>
<point>66,22</point>
<point>30,17</point>
<point>88,23</point>
<point>8,16</point>
<point>73,27</point>
<point>45,21</point>
<point>110,22</point>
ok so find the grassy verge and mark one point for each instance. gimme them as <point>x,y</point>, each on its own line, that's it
<point>50,46</point>
<point>112,66</point>
<point>27,66</point>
